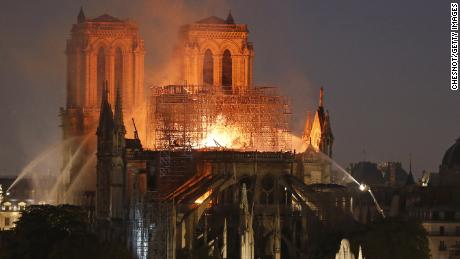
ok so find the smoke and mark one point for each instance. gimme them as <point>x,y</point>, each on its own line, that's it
<point>159,22</point>
<point>298,46</point>
<point>32,67</point>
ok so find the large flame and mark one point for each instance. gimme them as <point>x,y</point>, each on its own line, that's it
<point>224,134</point>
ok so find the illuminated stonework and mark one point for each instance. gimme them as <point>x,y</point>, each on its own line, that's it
<point>319,133</point>
<point>104,48</point>
<point>216,52</point>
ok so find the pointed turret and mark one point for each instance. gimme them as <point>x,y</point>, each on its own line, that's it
<point>224,240</point>
<point>246,231</point>
<point>244,205</point>
<point>81,16</point>
<point>327,138</point>
<point>277,234</point>
<point>321,97</point>
<point>307,129</point>
<point>230,19</point>
<point>410,178</point>
<point>320,110</point>
<point>360,254</point>
<point>106,123</point>
<point>119,126</point>
<point>118,116</point>
<point>104,156</point>
<point>320,134</point>
<point>327,130</point>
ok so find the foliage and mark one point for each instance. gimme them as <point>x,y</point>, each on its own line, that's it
<point>394,239</point>
<point>385,239</point>
<point>46,231</point>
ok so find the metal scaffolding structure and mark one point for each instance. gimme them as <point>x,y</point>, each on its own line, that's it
<point>184,115</point>
<point>152,227</point>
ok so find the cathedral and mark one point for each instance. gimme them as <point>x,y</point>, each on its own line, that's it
<point>216,170</point>
<point>102,49</point>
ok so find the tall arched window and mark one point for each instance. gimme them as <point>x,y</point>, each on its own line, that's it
<point>100,73</point>
<point>208,68</point>
<point>118,68</point>
<point>227,68</point>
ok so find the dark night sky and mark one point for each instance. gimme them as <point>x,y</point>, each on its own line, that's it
<point>384,66</point>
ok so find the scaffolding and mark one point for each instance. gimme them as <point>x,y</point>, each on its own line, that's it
<point>152,227</point>
<point>182,116</point>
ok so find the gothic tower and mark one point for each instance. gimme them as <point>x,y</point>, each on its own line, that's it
<point>319,132</point>
<point>99,49</point>
<point>110,159</point>
<point>102,49</point>
<point>214,51</point>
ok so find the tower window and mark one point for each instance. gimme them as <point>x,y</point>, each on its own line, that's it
<point>227,69</point>
<point>100,73</point>
<point>208,68</point>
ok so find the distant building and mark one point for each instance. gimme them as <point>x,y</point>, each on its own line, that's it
<point>10,210</point>
<point>449,171</point>
<point>438,208</point>
<point>393,173</point>
<point>436,203</point>
<point>387,173</point>
<point>367,172</point>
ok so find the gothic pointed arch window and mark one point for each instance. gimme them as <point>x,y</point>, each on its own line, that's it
<point>100,73</point>
<point>208,68</point>
<point>227,69</point>
<point>118,68</point>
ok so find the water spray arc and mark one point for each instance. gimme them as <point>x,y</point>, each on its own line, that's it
<point>66,169</point>
<point>43,157</point>
<point>361,186</point>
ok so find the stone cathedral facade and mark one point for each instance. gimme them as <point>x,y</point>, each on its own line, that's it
<point>173,201</point>
<point>217,52</point>
<point>101,49</point>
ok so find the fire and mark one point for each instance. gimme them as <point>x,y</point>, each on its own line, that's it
<point>224,134</point>
<point>203,197</point>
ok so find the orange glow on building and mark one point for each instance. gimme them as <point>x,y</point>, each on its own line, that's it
<point>225,135</point>
<point>203,197</point>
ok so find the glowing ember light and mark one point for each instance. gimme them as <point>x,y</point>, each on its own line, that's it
<point>203,197</point>
<point>223,134</point>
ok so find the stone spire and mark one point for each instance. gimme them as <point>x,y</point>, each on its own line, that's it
<point>277,234</point>
<point>327,138</point>
<point>118,117</point>
<point>81,16</point>
<point>119,126</point>
<point>410,178</point>
<point>224,240</point>
<point>104,156</point>
<point>307,129</point>
<point>327,124</point>
<point>230,19</point>
<point>106,123</point>
<point>246,231</point>
<point>321,97</point>
<point>344,251</point>
<point>360,254</point>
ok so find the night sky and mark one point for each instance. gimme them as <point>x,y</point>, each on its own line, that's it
<point>384,66</point>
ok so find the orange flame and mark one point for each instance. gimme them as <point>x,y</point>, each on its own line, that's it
<point>225,135</point>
